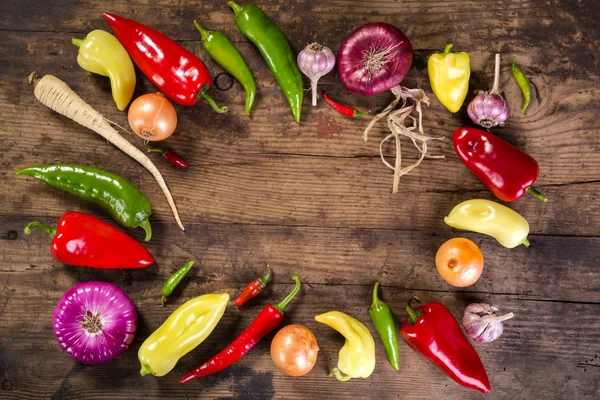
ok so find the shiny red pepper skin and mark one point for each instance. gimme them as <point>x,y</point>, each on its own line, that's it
<point>253,289</point>
<point>180,75</point>
<point>169,155</point>
<point>506,171</point>
<point>84,240</point>
<point>344,110</point>
<point>269,318</point>
<point>436,335</point>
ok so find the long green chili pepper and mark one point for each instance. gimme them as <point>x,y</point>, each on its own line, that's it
<point>522,82</point>
<point>115,194</point>
<point>220,49</point>
<point>174,280</point>
<point>383,319</point>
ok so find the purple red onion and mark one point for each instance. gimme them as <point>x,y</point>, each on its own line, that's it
<point>94,322</point>
<point>374,58</point>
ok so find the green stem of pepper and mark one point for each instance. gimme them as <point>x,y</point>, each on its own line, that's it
<point>540,196</point>
<point>526,242</point>
<point>236,8</point>
<point>157,150</point>
<point>448,49</point>
<point>281,305</point>
<point>202,93</point>
<point>50,231</point>
<point>265,279</point>
<point>203,32</point>
<point>174,280</point>
<point>145,225</point>
<point>412,313</point>
<point>342,377</point>
<point>77,42</point>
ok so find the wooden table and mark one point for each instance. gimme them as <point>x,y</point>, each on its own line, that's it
<point>313,199</point>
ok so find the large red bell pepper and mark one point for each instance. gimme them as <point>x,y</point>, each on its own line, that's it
<point>87,241</point>
<point>180,75</point>
<point>432,331</point>
<point>506,171</point>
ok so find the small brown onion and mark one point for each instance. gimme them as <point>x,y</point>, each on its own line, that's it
<point>294,350</point>
<point>152,117</point>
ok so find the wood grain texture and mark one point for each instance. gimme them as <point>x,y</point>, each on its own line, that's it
<point>313,199</point>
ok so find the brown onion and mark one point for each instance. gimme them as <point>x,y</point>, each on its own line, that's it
<point>294,350</point>
<point>152,117</point>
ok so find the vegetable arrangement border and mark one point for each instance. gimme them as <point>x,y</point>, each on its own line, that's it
<point>95,322</point>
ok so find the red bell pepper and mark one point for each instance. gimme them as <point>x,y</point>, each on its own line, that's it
<point>506,171</point>
<point>269,318</point>
<point>432,331</point>
<point>87,241</point>
<point>180,75</point>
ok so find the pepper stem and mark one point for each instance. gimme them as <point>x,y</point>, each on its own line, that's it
<point>145,225</point>
<point>203,32</point>
<point>358,113</point>
<point>162,303</point>
<point>342,377</point>
<point>50,231</point>
<point>157,150</point>
<point>448,49</point>
<point>77,42</point>
<point>540,196</point>
<point>526,242</point>
<point>375,294</point>
<point>145,370</point>
<point>412,313</point>
<point>235,7</point>
<point>263,280</point>
<point>496,74</point>
<point>206,96</point>
<point>281,305</point>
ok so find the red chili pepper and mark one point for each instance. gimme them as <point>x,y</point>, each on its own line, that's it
<point>432,331</point>
<point>253,289</point>
<point>87,241</point>
<point>180,75</point>
<point>506,171</point>
<point>170,156</point>
<point>269,318</point>
<point>345,110</point>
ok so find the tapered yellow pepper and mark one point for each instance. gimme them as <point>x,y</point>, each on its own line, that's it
<point>508,227</point>
<point>357,357</point>
<point>449,77</point>
<point>182,332</point>
<point>101,53</point>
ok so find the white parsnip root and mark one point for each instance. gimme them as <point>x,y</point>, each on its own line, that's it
<point>58,96</point>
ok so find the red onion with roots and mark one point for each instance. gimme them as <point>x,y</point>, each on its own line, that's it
<point>374,58</point>
<point>94,322</point>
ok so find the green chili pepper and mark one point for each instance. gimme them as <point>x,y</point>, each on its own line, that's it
<point>115,194</point>
<point>522,82</point>
<point>383,319</point>
<point>174,280</point>
<point>220,49</point>
<point>275,49</point>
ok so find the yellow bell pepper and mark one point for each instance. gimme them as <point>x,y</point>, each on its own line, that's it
<point>357,357</point>
<point>182,332</point>
<point>508,227</point>
<point>101,53</point>
<point>449,77</point>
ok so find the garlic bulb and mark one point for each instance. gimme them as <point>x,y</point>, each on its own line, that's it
<point>314,62</point>
<point>489,109</point>
<point>482,324</point>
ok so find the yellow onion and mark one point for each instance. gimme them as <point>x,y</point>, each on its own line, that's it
<point>152,117</point>
<point>294,350</point>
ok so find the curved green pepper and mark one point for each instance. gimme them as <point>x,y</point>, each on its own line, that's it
<point>115,194</point>
<point>275,49</point>
<point>383,319</point>
<point>220,49</point>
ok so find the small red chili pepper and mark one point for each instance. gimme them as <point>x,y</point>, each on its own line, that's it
<point>87,241</point>
<point>180,75</point>
<point>506,171</point>
<point>432,331</point>
<point>170,156</point>
<point>269,318</point>
<point>253,289</point>
<point>345,110</point>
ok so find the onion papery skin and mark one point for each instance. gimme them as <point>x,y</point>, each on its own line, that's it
<point>100,301</point>
<point>371,38</point>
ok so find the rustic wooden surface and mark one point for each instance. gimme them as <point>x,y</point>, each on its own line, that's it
<point>313,199</point>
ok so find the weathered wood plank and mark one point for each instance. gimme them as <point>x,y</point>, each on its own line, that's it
<point>553,268</point>
<point>549,349</point>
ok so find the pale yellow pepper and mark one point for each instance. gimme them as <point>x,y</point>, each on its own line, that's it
<point>449,75</point>
<point>101,53</point>
<point>357,357</point>
<point>508,227</point>
<point>182,332</point>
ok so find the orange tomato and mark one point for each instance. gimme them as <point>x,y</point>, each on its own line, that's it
<point>460,262</point>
